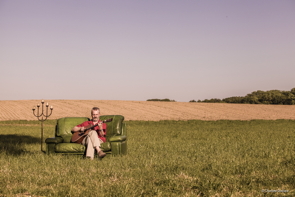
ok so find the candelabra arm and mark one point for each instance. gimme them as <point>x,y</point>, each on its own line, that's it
<point>50,113</point>
<point>37,115</point>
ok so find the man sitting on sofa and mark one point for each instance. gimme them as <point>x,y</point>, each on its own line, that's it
<point>95,137</point>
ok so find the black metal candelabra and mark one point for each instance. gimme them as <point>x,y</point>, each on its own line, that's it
<point>42,117</point>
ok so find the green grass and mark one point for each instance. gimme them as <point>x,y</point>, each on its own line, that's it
<point>165,158</point>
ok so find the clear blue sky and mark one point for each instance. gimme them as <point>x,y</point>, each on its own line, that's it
<point>138,50</point>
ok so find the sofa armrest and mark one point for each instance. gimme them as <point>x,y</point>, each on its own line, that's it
<point>54,140</point>
<point>118,138</point>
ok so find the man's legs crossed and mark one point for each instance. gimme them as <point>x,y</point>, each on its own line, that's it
<point>92,143</point>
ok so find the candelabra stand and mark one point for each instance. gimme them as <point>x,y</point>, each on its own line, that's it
<point>42,117</point>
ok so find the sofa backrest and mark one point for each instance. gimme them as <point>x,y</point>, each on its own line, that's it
<point>65,125</point>
<point>116,126</point>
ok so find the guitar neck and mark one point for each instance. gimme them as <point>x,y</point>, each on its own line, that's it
<point>104,121</point>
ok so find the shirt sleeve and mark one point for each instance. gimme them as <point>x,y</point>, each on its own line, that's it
<point>84,124</point>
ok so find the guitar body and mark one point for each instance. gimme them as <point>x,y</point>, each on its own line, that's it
<point>78,137</point>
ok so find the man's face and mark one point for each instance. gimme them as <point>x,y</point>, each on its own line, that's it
<point>95,115</point>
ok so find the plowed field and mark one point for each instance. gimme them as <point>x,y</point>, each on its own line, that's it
<point>148,110</point>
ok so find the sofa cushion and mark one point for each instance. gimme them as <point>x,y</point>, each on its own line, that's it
<point>77,148</point>
<point>105,146</point>
<point>69,148</point>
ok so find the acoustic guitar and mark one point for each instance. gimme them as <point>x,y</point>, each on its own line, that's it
<point>78,136</point>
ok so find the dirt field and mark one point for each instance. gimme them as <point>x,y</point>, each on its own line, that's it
<point>148,110</point>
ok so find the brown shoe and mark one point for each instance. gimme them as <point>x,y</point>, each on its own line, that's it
<point>101,154</point>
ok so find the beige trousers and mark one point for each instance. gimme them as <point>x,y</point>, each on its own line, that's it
<point>91,141</point>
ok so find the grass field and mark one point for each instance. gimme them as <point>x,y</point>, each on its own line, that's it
<point>165,158</point>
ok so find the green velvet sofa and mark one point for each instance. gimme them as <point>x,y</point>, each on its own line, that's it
<point>116,136</point>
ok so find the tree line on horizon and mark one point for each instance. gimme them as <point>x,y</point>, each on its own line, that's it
<point>258,97</point>
<point>165,100</point>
